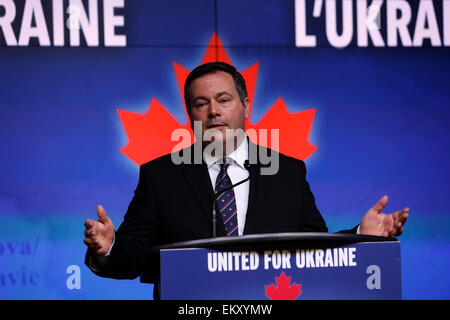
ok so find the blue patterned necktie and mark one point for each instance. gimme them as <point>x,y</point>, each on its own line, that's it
<point>226,202</point>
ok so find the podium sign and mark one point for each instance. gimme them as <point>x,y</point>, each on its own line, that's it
<point>288,271</point>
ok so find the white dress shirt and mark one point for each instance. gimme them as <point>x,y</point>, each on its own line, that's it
<point>236,172</point>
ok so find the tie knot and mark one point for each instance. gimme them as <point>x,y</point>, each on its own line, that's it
<point>226,161</point>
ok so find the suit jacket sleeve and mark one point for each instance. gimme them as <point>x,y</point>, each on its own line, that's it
<point>312,220</point>
<point>135,237</point>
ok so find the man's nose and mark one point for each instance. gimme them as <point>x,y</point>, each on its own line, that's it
<point>213,109</point>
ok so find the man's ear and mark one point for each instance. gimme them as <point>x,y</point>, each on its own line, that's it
<point>246,108</point>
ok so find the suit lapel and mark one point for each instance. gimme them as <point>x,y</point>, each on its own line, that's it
<point>197,177</point>
<point>255,191</point>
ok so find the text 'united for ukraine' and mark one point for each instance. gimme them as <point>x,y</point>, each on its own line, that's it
<point>284,259</point>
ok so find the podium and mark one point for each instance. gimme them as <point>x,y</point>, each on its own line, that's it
<point>282,266</point>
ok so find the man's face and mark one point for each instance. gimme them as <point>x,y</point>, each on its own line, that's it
<point>216,103</point>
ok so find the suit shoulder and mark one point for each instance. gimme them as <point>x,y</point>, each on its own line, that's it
<point>286,160</point>
<point>164,162</point>
<point>291,164</point>
<point>291,160</point>
<point>160,161</point>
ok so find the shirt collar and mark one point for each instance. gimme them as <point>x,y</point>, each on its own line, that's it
<point>239,156</point>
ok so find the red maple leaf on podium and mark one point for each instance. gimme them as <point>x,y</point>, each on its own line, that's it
<point>149,134</point>
<point>283,290</point>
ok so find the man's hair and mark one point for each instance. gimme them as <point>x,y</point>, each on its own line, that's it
<point>213,67</point>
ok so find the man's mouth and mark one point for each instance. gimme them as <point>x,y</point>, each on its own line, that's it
<point>216,125</point>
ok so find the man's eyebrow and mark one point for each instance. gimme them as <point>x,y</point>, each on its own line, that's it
<point>221,93</point>
<point>217,95</point>
<point>200,97</point>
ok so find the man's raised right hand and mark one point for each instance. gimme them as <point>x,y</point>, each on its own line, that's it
<point>99,235</point>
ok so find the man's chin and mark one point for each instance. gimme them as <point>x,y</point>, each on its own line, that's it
<point>215,134</point>
<point>213,131</point>
<point>223,138</point>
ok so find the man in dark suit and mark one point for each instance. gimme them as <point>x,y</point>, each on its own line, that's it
<point>174,202</point>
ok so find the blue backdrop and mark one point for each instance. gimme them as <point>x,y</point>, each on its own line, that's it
<point>381,127</point>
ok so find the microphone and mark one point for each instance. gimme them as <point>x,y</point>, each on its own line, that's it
<point>217,194</point>
<point>247,165</point>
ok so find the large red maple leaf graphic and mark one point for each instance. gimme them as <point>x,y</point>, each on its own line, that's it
<point>283,290</point>
<point>149,134</point>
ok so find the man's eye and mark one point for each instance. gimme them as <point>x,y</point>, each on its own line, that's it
<point>224,100</point>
